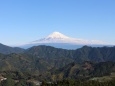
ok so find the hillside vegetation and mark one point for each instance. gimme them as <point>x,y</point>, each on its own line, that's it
<point>49,64</point>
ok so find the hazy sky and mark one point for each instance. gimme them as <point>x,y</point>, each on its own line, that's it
<point>24,21</point>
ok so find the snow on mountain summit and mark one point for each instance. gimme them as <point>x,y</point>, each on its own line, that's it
<point>56,35</point>
<point>59,40</point>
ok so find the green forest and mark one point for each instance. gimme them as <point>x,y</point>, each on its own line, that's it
<point>49,66</point>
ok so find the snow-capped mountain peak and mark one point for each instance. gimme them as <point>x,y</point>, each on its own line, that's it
<point>57,39</point>
<point>56,35</point>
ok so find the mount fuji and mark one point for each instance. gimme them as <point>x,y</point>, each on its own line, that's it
<point>59,40</point>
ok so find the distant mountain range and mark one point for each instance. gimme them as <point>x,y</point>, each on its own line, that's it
<point>97,54</point>
<point>7,49</point>
<point>86,53</point>
<point>59,40</point>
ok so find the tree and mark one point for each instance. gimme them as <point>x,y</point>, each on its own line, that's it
<point>8,82</point>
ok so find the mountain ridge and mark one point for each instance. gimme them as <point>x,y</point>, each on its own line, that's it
<point>7,49</point>
<point>86,53</point>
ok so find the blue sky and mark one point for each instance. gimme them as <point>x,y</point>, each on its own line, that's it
<point>24,21</point>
